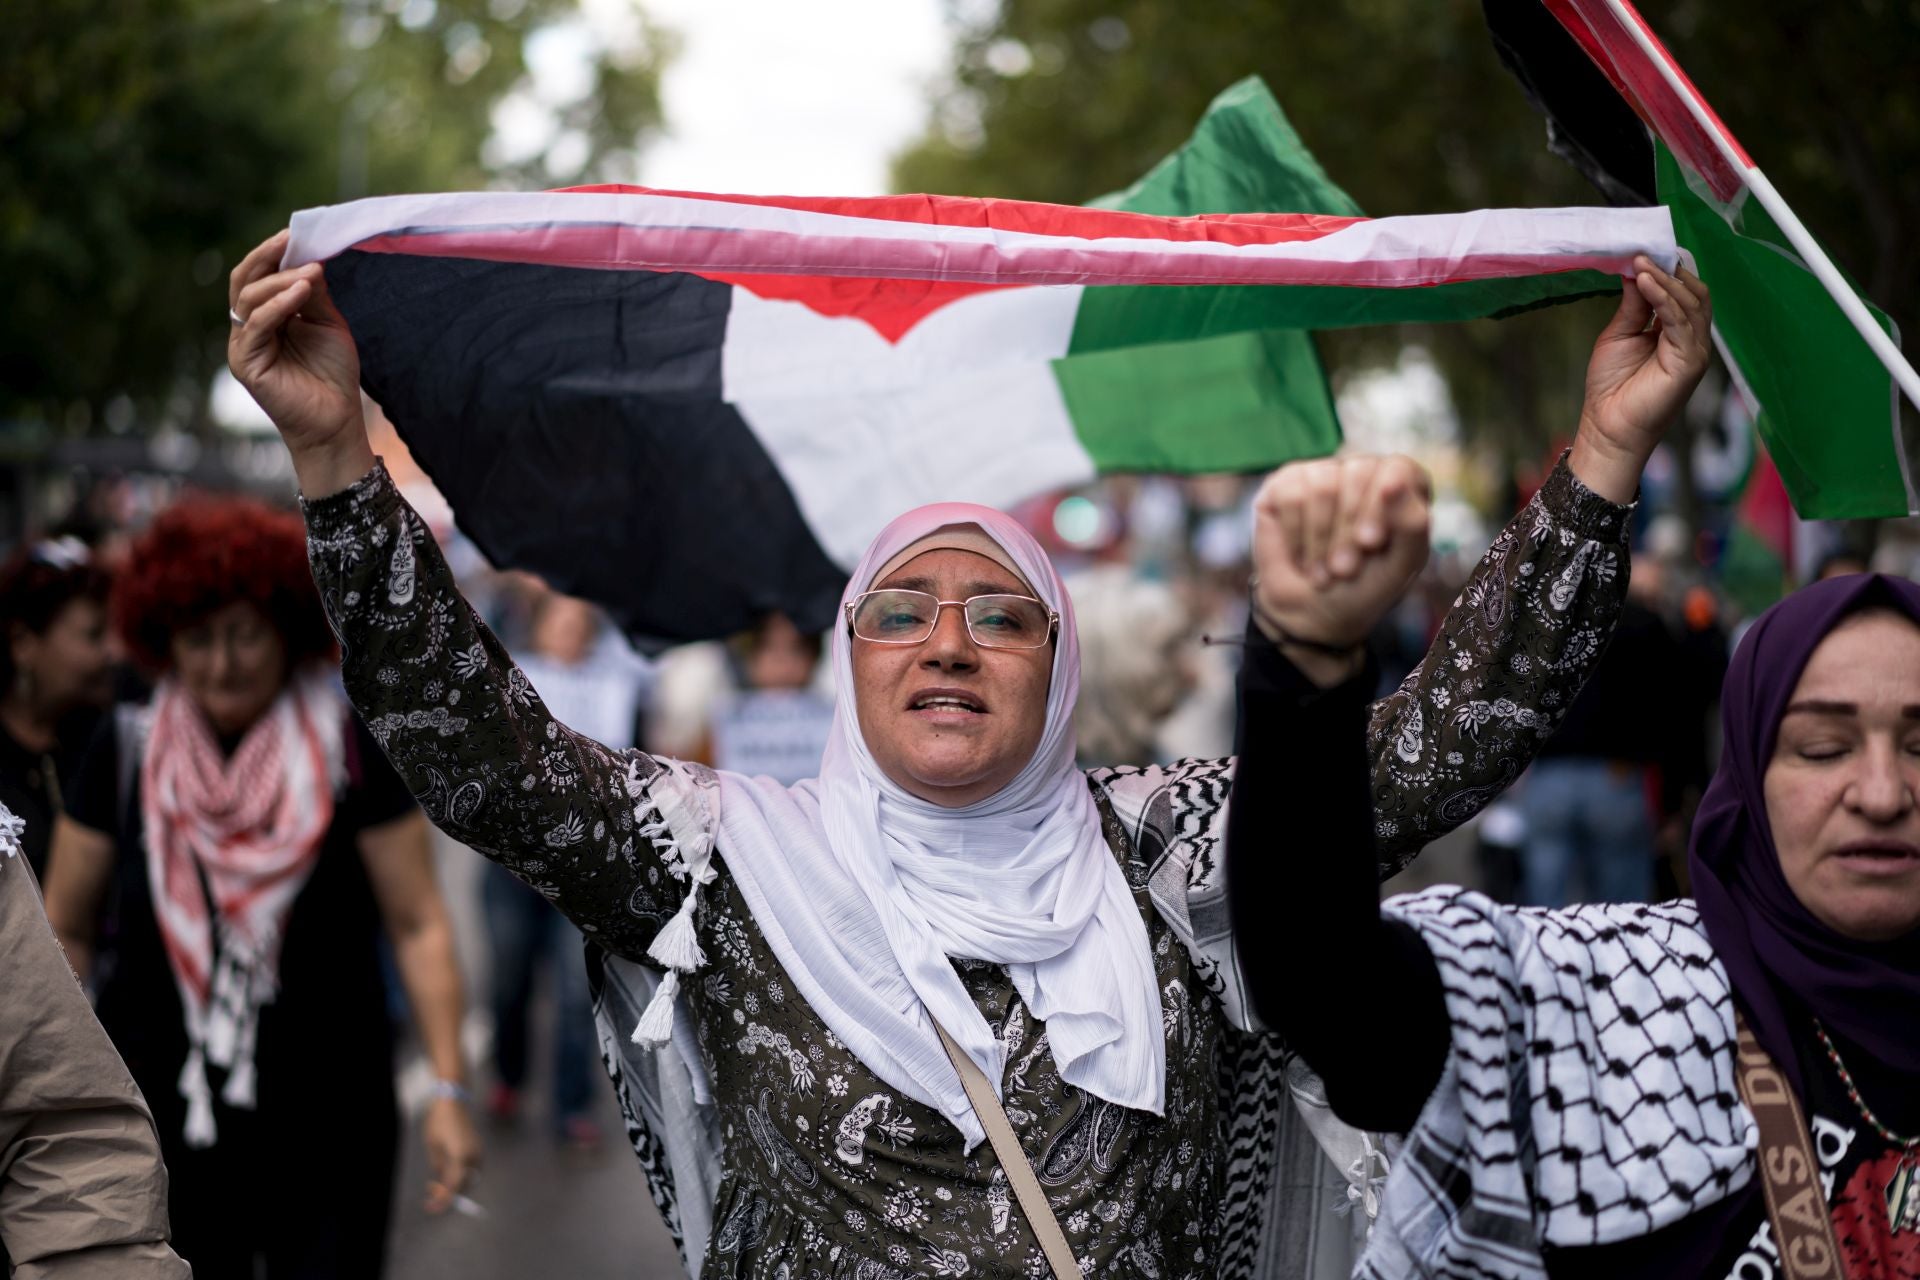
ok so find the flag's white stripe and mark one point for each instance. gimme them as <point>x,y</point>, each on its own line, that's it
<point>863,429</point>
<point>678,233</point>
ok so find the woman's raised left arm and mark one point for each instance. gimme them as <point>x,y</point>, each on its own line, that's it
<point>1523,635</point>
<point>1533,620</point>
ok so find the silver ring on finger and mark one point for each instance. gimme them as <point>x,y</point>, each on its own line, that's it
<point>235,316</point>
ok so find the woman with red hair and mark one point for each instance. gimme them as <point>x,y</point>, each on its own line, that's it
<point>243,841</point>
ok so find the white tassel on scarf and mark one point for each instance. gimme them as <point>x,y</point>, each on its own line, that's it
<point>230,1030</point>
<point>677,946</point>
<point>656,1024</point>
<point>11,829</point>
<point>198,1131</point>
<point>242,1087</point>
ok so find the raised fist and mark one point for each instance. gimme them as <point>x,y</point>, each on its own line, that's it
<point>1335,543</point>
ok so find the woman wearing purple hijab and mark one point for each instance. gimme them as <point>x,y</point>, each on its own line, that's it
<point>1567,1079</point>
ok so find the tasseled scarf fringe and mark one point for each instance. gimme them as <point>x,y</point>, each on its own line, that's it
<point>198,1131</point>
<point>225,1034</point>
<point>676,948</point>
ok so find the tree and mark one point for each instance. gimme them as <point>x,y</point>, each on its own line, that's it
<point>146,144</point>
<point>1406,104</point>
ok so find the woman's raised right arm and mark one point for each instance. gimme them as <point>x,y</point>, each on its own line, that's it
<point>475,744</point>
<point>467,732</point>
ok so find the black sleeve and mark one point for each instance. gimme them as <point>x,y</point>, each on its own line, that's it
<point>375,792</point>
<point>93,799</point>
<point>1356,995</point>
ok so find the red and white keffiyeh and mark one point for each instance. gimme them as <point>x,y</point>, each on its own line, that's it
<point>244,831</point>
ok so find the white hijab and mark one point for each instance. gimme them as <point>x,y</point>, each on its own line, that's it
<point>863,891</point>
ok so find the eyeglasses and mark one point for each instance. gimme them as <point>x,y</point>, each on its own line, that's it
<point>909,617</point>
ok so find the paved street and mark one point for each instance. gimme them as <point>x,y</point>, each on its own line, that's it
<point>550,1213</point>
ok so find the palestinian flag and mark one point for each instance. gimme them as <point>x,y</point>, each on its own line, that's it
<point>1757,558</point>
<point>1828,402</point>
<point>696,408</point>
<point>1757,566</point>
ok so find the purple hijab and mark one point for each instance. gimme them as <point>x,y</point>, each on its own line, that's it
<point>1785,964</point>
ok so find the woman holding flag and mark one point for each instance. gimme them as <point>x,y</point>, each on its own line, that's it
<point>954,940</point>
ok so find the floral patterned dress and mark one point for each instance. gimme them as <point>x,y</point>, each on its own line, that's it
<point>826,1171</point>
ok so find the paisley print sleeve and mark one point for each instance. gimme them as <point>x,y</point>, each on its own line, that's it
<point>463,726</point>
<point>1514,651</point>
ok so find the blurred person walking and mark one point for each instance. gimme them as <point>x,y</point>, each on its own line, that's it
<point>596,685</point>
<point>774,724</point>
<point>953,936</point>
<point>1136,664</point>
<point>82,1189</point>
<point>751,704</point>
<point>56,679</point>
<point>1589,801</point>
<point>231,853</point>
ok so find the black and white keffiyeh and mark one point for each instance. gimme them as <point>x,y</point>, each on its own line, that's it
<point>1588,1097</point>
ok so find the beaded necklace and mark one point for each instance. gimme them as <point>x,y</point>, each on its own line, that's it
<point>1903,1189</point>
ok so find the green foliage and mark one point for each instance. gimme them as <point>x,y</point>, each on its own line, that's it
<point>1826,100</point>
<point>146,144</point>
<point>1406,104</point>
<point>1403,100</point>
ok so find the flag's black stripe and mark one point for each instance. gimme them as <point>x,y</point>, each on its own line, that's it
<point>1589,124</point>
<point>573,419</point>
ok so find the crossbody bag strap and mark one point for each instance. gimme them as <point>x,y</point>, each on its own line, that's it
<point>1019,1169</point>
<point>1789,1172</point>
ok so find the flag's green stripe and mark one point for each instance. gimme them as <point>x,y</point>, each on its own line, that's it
<point>1238,402</point>
<point>1189,379</point>
<point>1121,315</point>
<point>1826,402</point>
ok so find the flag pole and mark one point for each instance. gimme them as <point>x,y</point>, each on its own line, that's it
<point>1829,275</point>
<point>1775,204</point>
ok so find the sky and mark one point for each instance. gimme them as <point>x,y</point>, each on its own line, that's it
<point>764,96</point>
<point>778,97</point>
